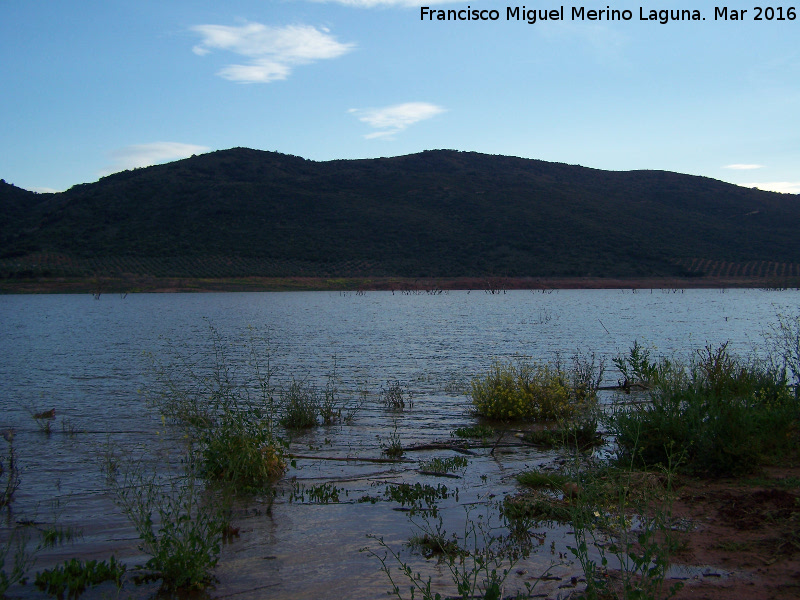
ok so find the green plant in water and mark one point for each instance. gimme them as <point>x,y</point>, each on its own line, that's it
<point>395,396</point>
<point>55,535</point>
<point>530,391</point>
<point>419,497</point>
<point>180,523</point>
<point>9,471</point>
<point>323,493</point>
<point>241,454</point>
<point>228,427</point>
<point>541,479</point>
<point>636,368</point>
<point>301,405</point>
<point>394,447</point>
<point>74,576</point>
<point>581,435</point>
<point>481,432</point>
<point>444,465</point>
<point>330,404</point>
<point>784,343</point>
<point>19,554</point>
<point>433,541</point>
<point>545,504</point>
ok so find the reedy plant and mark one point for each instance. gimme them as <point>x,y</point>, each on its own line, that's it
<point>301,405</point>
<point>783,338</point>
<point>636,368</point>
<point>395,396</point>
<point>180,522</point>
<point>229,421</point>
<point>18,552</point>
<point>9,472</point>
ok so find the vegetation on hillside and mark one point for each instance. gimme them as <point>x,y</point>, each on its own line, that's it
<point>441,213</point>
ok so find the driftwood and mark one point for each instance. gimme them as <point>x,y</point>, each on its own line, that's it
<point>350,458</point>
<point>440,474</point>
<point>440,446</point>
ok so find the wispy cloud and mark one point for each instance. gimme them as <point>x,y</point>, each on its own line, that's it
<point>740,167</point>
<point>272,52</point>
<point>144,155</point>
<point>784,187</point>
<point>391,120</point>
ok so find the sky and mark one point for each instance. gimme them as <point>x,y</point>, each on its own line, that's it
<point>89,88</point>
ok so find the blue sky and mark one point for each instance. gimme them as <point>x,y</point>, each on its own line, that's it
<point>92,87</point>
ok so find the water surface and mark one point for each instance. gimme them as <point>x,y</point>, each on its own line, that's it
<point>93,361</point>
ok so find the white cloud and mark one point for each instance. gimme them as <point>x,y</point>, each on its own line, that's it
<point>272,51</point>
<point>740,167</point>
<point>391,120</point>
<point>784,187</point>
<point>144,155</point>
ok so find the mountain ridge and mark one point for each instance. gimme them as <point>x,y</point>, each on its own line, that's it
<point>438,213</point>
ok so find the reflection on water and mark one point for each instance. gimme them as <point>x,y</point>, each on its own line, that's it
<point>93,360</point>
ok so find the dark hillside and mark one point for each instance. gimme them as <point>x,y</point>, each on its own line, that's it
<point>438,213</point>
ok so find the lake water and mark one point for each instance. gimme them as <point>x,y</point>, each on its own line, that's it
<point>92,360</point>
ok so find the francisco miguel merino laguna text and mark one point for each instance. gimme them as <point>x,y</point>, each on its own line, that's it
<point>577,13</point>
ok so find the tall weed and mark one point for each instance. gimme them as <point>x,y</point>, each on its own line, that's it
<point>9,472</point>
<point>229,420</point>
<point>179,521</point>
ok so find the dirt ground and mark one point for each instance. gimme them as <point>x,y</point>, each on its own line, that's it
<point>744,535</point>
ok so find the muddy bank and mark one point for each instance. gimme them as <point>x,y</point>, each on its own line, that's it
<point>396,284</point>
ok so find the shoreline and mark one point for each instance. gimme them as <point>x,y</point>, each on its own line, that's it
<point>111,285</point>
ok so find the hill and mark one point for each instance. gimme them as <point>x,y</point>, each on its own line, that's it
<point>242,212</point>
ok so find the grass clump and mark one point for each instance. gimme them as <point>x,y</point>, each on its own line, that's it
<point>301,404</point>
<point>622,520</point>
<point>395,396</point>
<point>432,540</point>
<point>581,435</point>
<point>540,479</point>
<point>545,500</point>
<point>323,493</point>
<point>242,455</point>
<point>531,391</point>
<point>726,416</point>
<point>418,497</point>
<point>478,432</point>
<point>74,576</point>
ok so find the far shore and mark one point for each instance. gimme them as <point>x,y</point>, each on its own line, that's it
<point>111,285</point>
